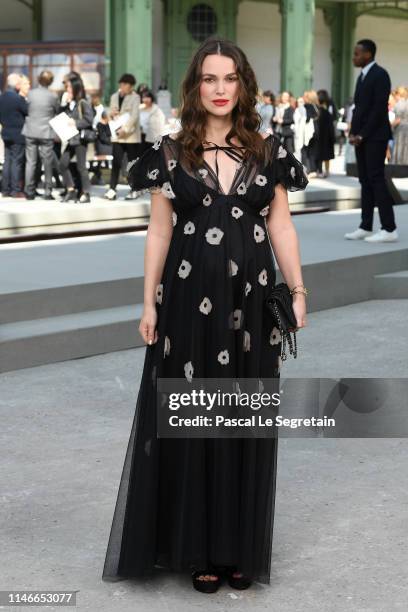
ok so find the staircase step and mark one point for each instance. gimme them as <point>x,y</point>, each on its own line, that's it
<point>393,285</point>
<point>30,343</point>
<point>34,216</point>
<point>69,299</point>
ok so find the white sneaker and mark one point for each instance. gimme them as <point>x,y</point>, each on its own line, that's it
<point>132,195</point>
<point>383,236</point>
<point>358,234</point>
<point>110,195</point>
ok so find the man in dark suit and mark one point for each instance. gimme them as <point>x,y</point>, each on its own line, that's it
<point>370,132</point>
<point>13,110</point>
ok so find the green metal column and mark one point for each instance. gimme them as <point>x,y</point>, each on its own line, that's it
<point>128,41</point>
<point>297,45</point>
<point>37,7</point>
<point>138,42</point>
<point>341,18</point>
<point>109,43</point>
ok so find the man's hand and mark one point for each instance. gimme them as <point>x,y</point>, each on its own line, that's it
<point>121,133</point>
<point>355,140</point>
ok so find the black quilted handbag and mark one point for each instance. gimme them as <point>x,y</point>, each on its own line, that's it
<point>279,305</point>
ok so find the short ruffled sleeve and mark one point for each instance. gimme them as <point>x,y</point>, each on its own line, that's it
<point>288,170</point>
<point>150,171</point>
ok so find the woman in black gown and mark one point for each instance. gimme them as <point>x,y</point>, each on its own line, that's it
<point>219,201</point>
<point>327,135</point>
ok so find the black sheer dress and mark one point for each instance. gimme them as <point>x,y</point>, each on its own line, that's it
<point>187,503</point>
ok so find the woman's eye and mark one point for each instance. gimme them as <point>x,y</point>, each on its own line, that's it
<point>211,79</point>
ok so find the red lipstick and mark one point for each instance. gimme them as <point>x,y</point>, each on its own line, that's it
<point>220,102</point>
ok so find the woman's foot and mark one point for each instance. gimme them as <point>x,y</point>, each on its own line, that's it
<point>85,198</point>
<point>206,581</point>
<point>237,580</point>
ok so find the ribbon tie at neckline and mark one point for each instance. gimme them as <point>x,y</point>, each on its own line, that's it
<point>231,150</point>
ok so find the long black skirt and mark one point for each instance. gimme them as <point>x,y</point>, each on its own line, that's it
<point>187,503</point>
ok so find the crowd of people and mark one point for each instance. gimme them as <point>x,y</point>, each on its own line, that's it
<point>308,126</point>
<point>398,153</point>
<point>131,123</point>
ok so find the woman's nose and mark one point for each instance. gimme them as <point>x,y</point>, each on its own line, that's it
<point>220,88</point>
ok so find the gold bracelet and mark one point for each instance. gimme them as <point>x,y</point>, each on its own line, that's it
<point>305,291</point>
<point>296,286</point>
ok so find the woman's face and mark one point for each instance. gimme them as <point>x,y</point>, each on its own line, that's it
<point>285,97</point>
<point>219,87</point>
<point>147,101</point>
<point>69,88</point>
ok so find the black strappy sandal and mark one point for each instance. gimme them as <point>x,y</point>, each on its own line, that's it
<point>240,583</point>
<point>206,586</point>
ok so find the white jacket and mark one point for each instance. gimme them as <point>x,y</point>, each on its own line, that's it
<point>130,104</point>
<point>155,124</point>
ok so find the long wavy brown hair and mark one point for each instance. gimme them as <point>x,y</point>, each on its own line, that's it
<point>193,116</point>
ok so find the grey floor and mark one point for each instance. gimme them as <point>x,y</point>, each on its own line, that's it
<point>341,506</point>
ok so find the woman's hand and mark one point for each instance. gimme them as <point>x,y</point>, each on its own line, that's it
<point>299,308</point>
<point>147,327</point>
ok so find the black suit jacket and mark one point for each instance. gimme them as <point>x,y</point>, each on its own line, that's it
<point>13,111</point>
<point>287,121</point>
<point>370,115</point>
